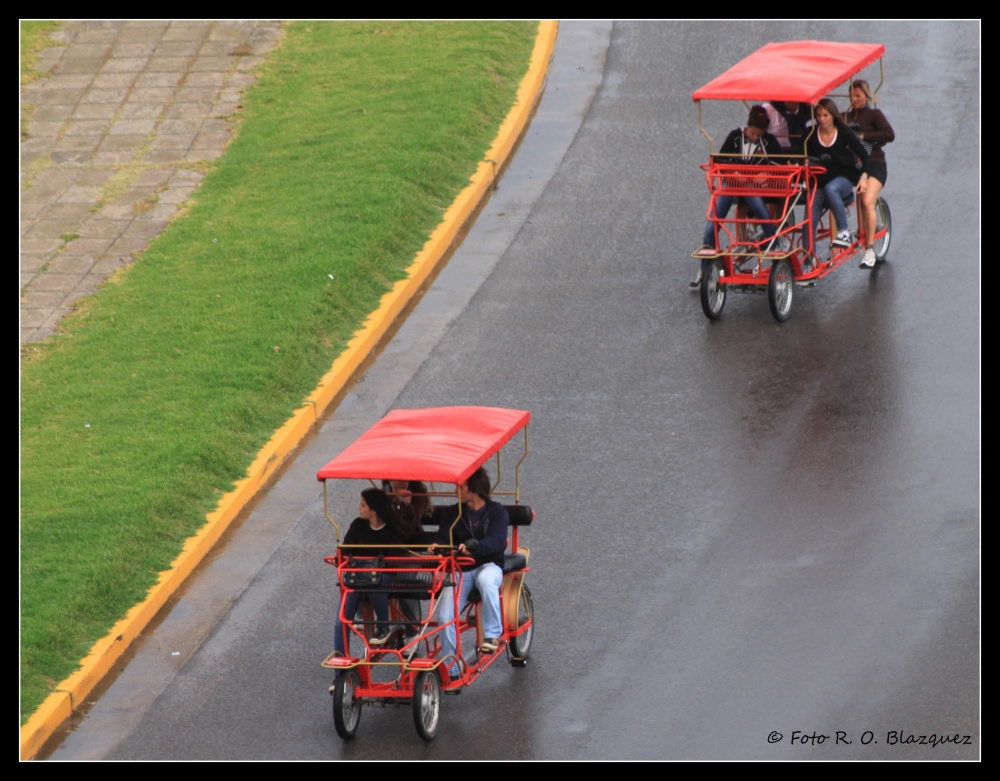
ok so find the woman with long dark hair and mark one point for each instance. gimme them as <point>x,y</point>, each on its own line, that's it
<point>378,526</point>
<point>839,149</point>
<point>874,130</point>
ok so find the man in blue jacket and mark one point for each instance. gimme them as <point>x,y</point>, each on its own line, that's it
<point>482,534</point>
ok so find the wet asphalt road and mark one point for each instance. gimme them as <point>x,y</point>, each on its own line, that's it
<point>743,527</point>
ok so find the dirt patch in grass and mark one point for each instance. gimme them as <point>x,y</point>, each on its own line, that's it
<point>157,395</point>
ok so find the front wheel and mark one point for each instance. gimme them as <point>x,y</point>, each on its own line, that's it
<point>426,703</point>
<point>713,292</point>
<point>883,219</point>
<point>346,707</point>
<point>780,284</point>
<point>521,645</point>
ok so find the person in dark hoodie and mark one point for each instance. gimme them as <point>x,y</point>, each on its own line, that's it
<point>787,123</point>
<point>749,145</point>
<point>482,534</point>
<point>412,507</point>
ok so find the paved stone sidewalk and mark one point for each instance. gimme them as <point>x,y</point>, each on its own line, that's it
<point>128,113</point>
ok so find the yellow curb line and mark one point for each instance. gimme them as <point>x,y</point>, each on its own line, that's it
<point>70,694</point>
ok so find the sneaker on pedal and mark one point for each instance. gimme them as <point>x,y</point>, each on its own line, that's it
<point>868,259</point>
<point>381,637</point>
<point>490,645</point>
<point>695,284</point>
<point>843,239</point>
<point>409,651</point>
<point>781,246</point>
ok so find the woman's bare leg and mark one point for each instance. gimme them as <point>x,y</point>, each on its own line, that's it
<point>868,220</point>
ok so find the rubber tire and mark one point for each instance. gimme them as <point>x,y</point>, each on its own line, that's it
<point>713,295</point>
<point>426,703</point>
<point>520,646</point>
<point>882,217</point>
<point>346,719</point>
<point>781,289</point>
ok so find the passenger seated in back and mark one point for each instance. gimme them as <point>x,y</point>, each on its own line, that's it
<point>411,506</point>
<point>412,509</point>
<point>787,123</point>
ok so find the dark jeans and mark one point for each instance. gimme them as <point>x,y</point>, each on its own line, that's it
<point>725,202</point>
<point>410,608</point>
<point>380,603</point>
<point>834,195</point>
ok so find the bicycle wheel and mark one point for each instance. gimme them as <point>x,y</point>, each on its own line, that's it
<point>346,707</point>
<point>883,219</point>
<point>780,285</point>
<point>521,645</point>
<point>426,703</point>
<point>713,293</point>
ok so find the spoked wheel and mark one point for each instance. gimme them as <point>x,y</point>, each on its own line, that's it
<point>713,292</point>
<point>426,703</point>
<point>521,645</point>
<point>780,284</point>
<point>882,220</point>
<point>346,707</point>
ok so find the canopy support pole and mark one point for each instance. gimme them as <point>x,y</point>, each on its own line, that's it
<point>881,78</point>
<point>702,128</point>
<point>451,536</point>
<point>326,512</point>
<point>517,469</point>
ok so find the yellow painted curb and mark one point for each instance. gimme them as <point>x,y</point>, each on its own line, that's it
<point>69,694</point>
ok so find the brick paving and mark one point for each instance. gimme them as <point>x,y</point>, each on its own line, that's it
<point>118,129</point>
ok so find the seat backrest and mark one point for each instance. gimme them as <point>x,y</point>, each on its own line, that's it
<point>519,514</point>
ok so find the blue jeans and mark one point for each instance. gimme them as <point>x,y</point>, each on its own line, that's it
<point>725,202</point>
<point>380,603</point>
<point>487,578</point>
<point>835,195</point>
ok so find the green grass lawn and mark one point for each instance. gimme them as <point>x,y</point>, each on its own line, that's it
<point>161,389</point>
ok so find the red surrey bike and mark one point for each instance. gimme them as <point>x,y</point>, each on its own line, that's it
<point>442,445</point>
<point>746,261</point>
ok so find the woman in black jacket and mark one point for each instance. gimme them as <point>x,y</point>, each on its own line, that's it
<point>840,150</point>
<point>377,526</point>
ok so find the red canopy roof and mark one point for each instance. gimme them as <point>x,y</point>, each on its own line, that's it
<point>802,71</point>
<point>445,444</point>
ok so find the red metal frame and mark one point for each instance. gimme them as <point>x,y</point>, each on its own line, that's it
<point>443,570</point>
<point>745,259</point>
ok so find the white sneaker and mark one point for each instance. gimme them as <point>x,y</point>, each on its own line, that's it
<point>843,239</point>
<point>781,246</point>
<point>868,259</point>
<point>695,284</point>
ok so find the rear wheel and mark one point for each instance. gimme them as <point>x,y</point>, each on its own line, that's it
<point>882,220</point>
<point>346,707</point>
<point>713,292</point>
<point>780,284</point>
<point>426,703</point>
<point>521,645</point>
